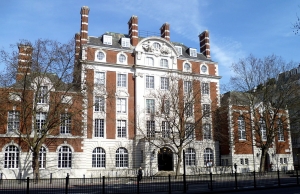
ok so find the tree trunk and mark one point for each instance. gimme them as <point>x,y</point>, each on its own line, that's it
<point>263,159</point>
<point>35,165</point>
<point>178,163</point>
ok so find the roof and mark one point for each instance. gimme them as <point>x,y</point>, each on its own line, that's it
<point>116,43</point>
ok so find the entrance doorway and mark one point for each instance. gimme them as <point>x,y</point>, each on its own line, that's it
<point>165,159</point>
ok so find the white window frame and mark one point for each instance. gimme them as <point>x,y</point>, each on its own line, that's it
<point>241,128</point>
<point>121,128</point>
<point>97,55</point>
<point>190,157</point>
<point>187,86</point>
<point>125,42</point>
<point>11,157</point>
<point>150,126</point>
<point>185,65</point>
<point>206,110</point>
<point>42,95</point>
<point>164,83</point>
<point>13,121</point>
<point>263,129</point>
<point>42,157</point>
<point>179,49</point>
<point>107,39</point>
<point>98,158</point>
<point>64,157</point>
<point>207,131</point>
<point>280,130</point>
<point>122,58</point>
<point>149,81</point>
<point>150,106</point>
<point>121,105</point>
<point>65,123</point>
<point>122,80</point>
<point>165,129</point>
<point>164,63</point>
<point>99,78</point>
<point>122,158</point>
<point>99,127</point>
<point>205,88</point>
<point>99,104</point>
<point>40,120</point>
<point>193,52</point>
<point>208,156</point>
<point>149,61</point>
<point>189,131</point>
<point>189,109</point>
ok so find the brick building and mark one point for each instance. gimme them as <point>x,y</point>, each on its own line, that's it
<point>242,129</point>
<point>123,80</point>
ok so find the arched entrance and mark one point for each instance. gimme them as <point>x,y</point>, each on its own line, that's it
<point>165,159</point>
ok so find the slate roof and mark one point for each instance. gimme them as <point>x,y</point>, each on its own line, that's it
<point>116,43</point>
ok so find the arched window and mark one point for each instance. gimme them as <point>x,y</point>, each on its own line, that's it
<point>11,159</point>
<point>156,45</point>
<point>164,63</point>
<point>122,58</point>
<point>190,157</point>
<point>187,67</point>
<point>149,61</point>
<point>241,128</point>
<point>121,158</point>
<point>208,157</point>
<point>64,157</point>
<point>98,158</point>
<point>100,56</point>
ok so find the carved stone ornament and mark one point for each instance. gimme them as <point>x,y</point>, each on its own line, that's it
<point>163,50</point>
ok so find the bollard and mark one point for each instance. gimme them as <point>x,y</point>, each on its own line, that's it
<point>27,189</point>
<point>278,178</point>
<point>84,179</point>
<point>169,184</point>
<point>138,184</point>
<point>20,177</point>
<point>67,183</point>
<point>103,184</point>
<point>211,181</point>
<point>50,178</point>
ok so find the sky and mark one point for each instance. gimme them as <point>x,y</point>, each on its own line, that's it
<point>237,28</point>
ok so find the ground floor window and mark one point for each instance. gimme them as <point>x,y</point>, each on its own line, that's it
<point>11,159</point>
<point>98,158</point>
<point>65,157</point>
<point>122,157</point>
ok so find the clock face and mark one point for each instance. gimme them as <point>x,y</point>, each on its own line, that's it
<point>204,69</point>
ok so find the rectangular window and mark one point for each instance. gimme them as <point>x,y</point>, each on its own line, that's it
<point>193,52</point>
<point>121,80</point>
<point>164,63</point>
<point>206,131</point>
<point>99,78</point>
<point>13,121</point>
<point>121,129</point>
<point>40,121</point>
<point>99,128</point>
<point>206,110</point>
<point>189,131</point>
<point>42,94</point>
<point>65,123</point>
<point>149,61</point>
<point>121,105</point>
<point>263,129</point>
<point>188,109</point>
<point>179,49</point>
<point>205,88</point>
<point>246,161</point>
<point>107,39</point>
<point>242,161</point>
<point>150,82</point>
<point>150,106</point>
<point>125,42</point>
<point>150,128</point>
<point>187,86</point>
<point>241,128</point>
<point>280,131</point>
<point>165,129</point>
<point>99,104</point>
<point>164,83</point>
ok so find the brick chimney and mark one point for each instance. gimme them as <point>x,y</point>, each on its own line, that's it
<point>133,30</point>
<point>84,24</point>
<point>77,46</point>
<point>204,44</point>
<point>24,61</point>
<point>165,31</point>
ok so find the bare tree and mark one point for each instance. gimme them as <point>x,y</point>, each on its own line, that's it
<point>268,93</point>
<point>177,116</point>
<point>39,96</point>
<point>296,26</point>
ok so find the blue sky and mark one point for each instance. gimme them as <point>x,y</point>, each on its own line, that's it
<point>237,28</point>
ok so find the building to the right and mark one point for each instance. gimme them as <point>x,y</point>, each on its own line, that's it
<point>253,135</point>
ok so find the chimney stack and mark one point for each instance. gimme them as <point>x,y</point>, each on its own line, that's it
<point>133,30</point>
<point>165,31</point>
<point>24,61</point>
<point>84,24</point>
<point>77,46</point>
<point>204,44</point>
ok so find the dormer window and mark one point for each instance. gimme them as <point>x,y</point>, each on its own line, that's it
<point>125,42</point>
<point>42,95</point>
<point>179,49</point>
<point>193,52</point>
<point>107,39</point>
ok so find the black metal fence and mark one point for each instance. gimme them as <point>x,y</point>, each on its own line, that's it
<point>165,184</point>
